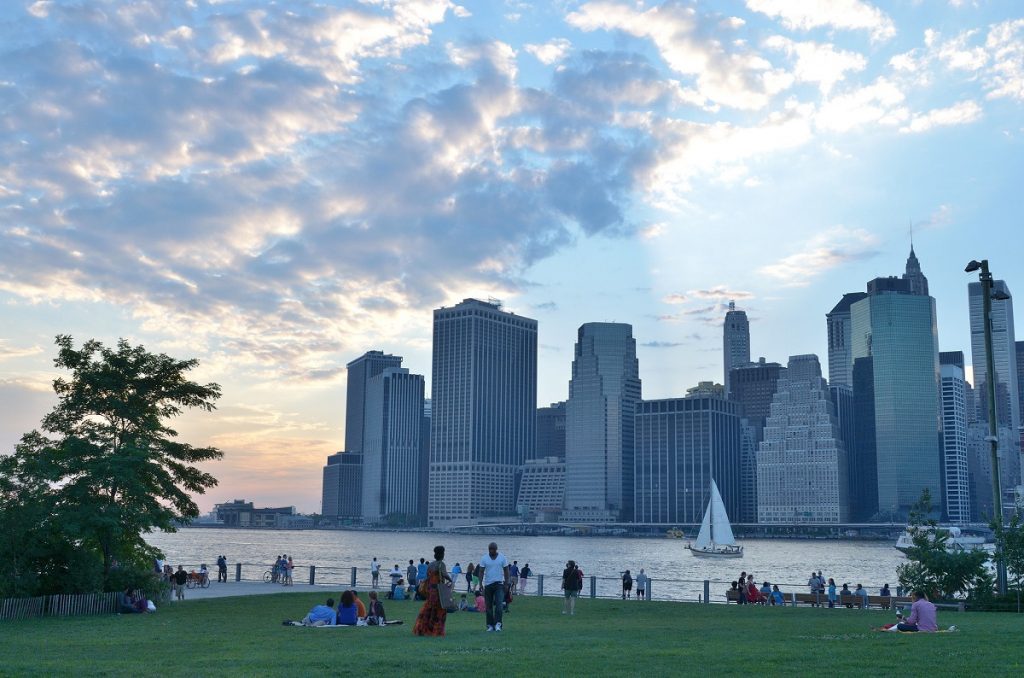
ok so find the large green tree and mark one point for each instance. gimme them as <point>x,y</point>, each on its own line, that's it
<point>1010,542</point>
<point>106,467</point>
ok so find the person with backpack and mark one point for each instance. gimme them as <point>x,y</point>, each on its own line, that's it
<point>572,582</point>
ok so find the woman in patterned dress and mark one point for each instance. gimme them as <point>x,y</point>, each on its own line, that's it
<point>430,621</point>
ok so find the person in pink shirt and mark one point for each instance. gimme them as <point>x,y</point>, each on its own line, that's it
<point>922,615</point>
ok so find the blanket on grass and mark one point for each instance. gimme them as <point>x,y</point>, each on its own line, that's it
<point>292,622</point>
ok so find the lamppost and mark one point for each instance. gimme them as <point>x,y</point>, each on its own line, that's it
<point>990,382</point>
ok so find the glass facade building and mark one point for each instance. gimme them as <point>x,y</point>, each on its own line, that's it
<point>359,372</point>
<point>484,410</point>
<point>342,498</point>
<point>681,445</point>
<point>603,393</point>
<point>956,491</point>
<point>551,431</point>
<point>897,330</point>
<point>840,364</point>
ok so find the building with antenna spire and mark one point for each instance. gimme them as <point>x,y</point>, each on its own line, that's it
<point>735,341</point>
<point>918,283</point>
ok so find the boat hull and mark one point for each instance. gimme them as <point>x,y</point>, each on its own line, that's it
<point>734,552</point>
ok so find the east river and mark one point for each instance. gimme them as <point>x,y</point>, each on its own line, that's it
<point>676,574</point>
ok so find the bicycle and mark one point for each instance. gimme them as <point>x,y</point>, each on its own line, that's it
<point>268,576</point>
<point>199,579</point>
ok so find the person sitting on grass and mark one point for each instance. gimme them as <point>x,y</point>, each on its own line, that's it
<point>464,605</point>
<point>360,608</point>
<point>481,604</point>
<point>321,615</point>
<point>376,612</point>
<point>399,592</point>
<point>922,615</point>
<point>128,604</point>
<point>777,598</point>
<point>348,613</point>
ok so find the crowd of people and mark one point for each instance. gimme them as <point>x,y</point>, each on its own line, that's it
<point>832,596</point>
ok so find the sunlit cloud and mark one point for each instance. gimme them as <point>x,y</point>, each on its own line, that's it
<point>825,251</point>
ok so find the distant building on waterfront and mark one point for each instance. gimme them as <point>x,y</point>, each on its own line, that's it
<point>551,431</point>
<point>359,372</point>
<point>735,341</point>
<point>801,463</point>
<point>1004,358</point>
<point>840,363</point>
<point>603,393</point>
<point>681,445</point>
<point>542,489</point>
<point>241,513</point>
<point>753,386</point>
<point>956,492</point>
<point>392,449</point>
<point>342,498</point>
<point>484,410</point>
<point>897,329</point>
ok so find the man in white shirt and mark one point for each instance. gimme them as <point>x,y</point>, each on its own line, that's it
<point>375,572</point>
<point>496,582</point>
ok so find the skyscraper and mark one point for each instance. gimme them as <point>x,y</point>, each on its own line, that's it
<point>681,445</point>
<point>603,393</point>
<point>342,499</point>
<point>840,365</point>
<point>861,455</point>
<point>392,449</point>
<point>735,341</point>
<point>484,410</point>
<point>897,329</point>
<point>1004,358</point>
<point>956,491</point>
<point>551,431</point>
<point>753,386</point>
<point>914,276</point>
<point>360,371</point>
<point>801,463</point>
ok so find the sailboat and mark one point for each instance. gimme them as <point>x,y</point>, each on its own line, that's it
<point>715,538</point>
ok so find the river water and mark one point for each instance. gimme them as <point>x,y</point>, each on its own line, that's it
<point>676,574</point>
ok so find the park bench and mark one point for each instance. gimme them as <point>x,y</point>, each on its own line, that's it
<point>884,602</point>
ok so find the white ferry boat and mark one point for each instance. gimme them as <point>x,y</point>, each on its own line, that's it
<point>957,540</point>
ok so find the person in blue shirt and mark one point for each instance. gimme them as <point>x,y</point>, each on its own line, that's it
<point>862,594</point>
<point>777,598</point>
<point>348,613</point>
<point>399,593</point>
<point>456,571</point>
<point>321,615</point>
<point>421,571</point>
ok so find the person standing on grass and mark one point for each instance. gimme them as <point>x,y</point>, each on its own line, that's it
<point>410,575</point>
<point>571,583</point>
<point>496,582</point>
<point>513,575</point>
<point>470,569</point>
<point>396,576</point>
<point>180,577</point>
<point>431,619</point>
<point>374,573</point>
<point>641,585</point>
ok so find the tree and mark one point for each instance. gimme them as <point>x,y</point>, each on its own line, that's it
<point>1010,544</point>
<point>107,469</point>
<point>933,567</point>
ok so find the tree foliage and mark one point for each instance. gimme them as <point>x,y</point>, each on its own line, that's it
<point>105,469</point>
<point>936,569</point>
<point>1010,543</point>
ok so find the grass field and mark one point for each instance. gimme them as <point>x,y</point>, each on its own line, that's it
<point>244,636</point>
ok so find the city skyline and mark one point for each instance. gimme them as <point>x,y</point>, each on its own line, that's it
<point>276,192</point>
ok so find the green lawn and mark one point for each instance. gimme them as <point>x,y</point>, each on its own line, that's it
<point>244,636</point>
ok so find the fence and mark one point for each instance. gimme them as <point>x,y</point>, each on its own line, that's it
<point>64,605</point>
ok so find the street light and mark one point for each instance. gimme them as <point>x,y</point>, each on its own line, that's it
<point>997,495</point>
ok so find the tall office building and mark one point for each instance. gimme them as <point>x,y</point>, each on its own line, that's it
<point>801,463</point>
<point>682,444</point>
<point>956,493</point>
<point>955,358</point>
<point>360,371</point>
<point>861,455</point>
<point>1004,358</point>
<point>840,364</point>
<point>603,393</point>
<point>735,341</point>
<point>843,403</point>
<point>897,329</point>
<point>392,446</point>
<point>914,277</point>
<point>551,431</point>
<point>342,499</point>
<point>753,386</point>
<point>1020,377</point>
<point>424,491</point>
<point>484,410</point>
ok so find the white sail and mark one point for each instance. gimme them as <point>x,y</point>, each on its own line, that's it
<point>721,530</point>
<point>704,536</point>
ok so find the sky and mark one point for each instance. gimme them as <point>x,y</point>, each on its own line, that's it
<point>275,188</point>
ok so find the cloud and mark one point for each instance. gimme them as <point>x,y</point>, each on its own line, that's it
<point>941,217</point>
<point>720,292</point>
<point>809,14</point>
<point>819,63</point>
<point>549,52</point>
<point>961,113</point>
<point>739,79</point>
<point>880,102</point>
<point>8,352</point>
<point>661,344</point>
<point>827,250</point>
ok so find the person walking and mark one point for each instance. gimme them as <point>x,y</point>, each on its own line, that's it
<point>431,619</point>
<point>180,577</point>
<point>496,583</point>
<point>571,584</point>
<point>374,573</point>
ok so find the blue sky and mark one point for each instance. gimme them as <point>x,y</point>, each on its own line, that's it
<point>275,188</point>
